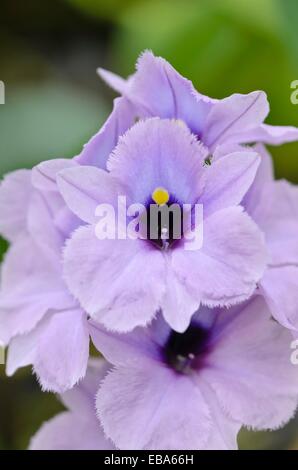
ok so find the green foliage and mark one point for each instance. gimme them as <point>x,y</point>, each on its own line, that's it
<point>3,247</point>
<point>289,12</point>
<point>102,8</point>
<point>46,121</point>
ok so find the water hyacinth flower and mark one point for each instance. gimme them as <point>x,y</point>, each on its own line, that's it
<point>123,282</point>
<point>78,428</point>
<point>195,390</point>
<point>39,319</point>
<point>234,120</point>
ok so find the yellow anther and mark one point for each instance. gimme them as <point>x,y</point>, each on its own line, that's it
<point>160,196</point>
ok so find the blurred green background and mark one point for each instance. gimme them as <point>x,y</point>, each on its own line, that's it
<point>49,52</point>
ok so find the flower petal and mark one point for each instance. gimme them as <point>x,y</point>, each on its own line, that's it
<point>118,282</point>
<point>97,150</point>
<point>62,351</point>
<point>157,89</point>
<point>81,398</point>
<point>178,305</point>
<point>151,155</point>
<point>77,429</point>
<point>22,349</point>
<point>224,435</point>
<point>113,80</point>
<point>271,135</point>
<point>58,349</point>
<point>229,264</point>
<point>277,216</point>
<point>228,179</point>
<point>84,188</point>
<point>29,288</point>
<point>250,369</point>
<point>42,229</point>
<point>70,431</point>
<point>44,174</point>
<point>232,115</point>
<point>124,349</point>
<point>280,289</point>
<point>15,193</point>
<point>264,175</point>
<point>153,408</point>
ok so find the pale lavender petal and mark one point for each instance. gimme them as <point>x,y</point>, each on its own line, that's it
<point>152,153</point>
<point>42,229</point>
<point>81,398</point>
<point>66,221</point>
<point>232,115</point>
<point>62,351</point>
<point>79,428</point>
<point>265,175</point>
<point>22,308</point>
<point>114,81</point>
<point>229,264</point>
<point>178,305</point>
<point>118,282</point>
<point>127,349</point>
<point>280,289</point>
<point>277,215</point>
<point>163,92</point>
<point>224,435</point>
<point>58,349</point>
<point>249,367</point>
<point>44,178</point>
<point>29,288</point>
<point>71,431</point>
<point>228,179</point>
<point>44,174</point>
<point>265,171</point>
<point>20,261</point>
<point>226,148</point>
<point>22,350</point>
<point>98,149</point>
<point>157,89</point>
<point>15,194</point>
<point>153,408</point>
<point>84,188</point>
<point>271,135</point>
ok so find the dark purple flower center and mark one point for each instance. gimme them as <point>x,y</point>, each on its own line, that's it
<point>186,351</point>
<point>164,224</point>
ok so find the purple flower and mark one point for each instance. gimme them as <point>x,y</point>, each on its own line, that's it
<point>78,428</point>
<point>157,89</point>
<point>39,319</point>
<point>194,390</point>
<point>123,282</point>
